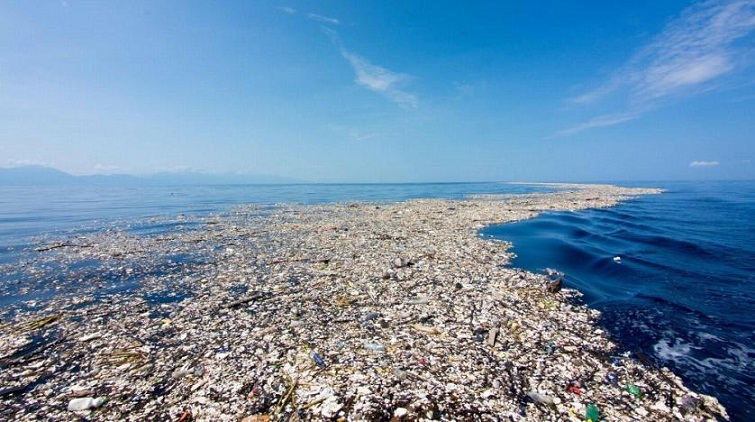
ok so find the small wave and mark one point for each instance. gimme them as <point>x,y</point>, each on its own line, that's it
<point>619,219</point>
<point>672,305</point>
<point>580,233</point>
<point>671,244</point>
<point>621,215</point>
<point>673,349</point>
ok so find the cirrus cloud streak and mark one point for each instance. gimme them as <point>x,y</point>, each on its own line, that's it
<point>690,56</point>
<point>376,78</point>
<point>704,163</point>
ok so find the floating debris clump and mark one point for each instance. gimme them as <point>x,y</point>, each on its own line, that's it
<point>348,311</point>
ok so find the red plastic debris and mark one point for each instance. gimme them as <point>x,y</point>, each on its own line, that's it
<point>186,417</point>
<point>574,389</point>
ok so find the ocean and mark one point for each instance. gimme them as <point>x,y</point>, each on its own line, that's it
<point>681,291</point>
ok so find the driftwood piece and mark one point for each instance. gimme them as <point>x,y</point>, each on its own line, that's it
<point>237,303</point>
<point>62,245</point>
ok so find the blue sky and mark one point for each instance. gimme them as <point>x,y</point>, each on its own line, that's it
<point>383,91</point>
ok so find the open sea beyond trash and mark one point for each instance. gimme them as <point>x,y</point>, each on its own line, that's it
<point>682,290</point>
<point>673,274</point>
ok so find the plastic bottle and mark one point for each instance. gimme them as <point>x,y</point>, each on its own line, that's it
<point>592,414</point>
<point>85,403</point>
<point>318,360</point>
<point>634,390</point>
<point>374,347</point>
<point>542,398</point>
<point>550,347</point>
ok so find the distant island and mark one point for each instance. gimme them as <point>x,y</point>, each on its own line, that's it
<point>47,176</point>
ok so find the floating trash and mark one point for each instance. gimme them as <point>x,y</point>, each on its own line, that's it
<point>612,378</point>
<point>418,317</point>
<point>634,390</point>
<point>318,360</point>
<point>374,347</point>
<point>592,414</point>
<point>85,403</point>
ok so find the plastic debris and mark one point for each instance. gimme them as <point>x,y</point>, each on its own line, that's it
<point>592,414</point>
<point>612,378</point>
<point>543,399</point>
<point>634,390</point>
<point>90,337</point>
<point>574,389</point>
<point>318,360</point>
<point>257,418</point>
<point>422,300</point>
<point>555,285</point>
<point>492,334</point>
<point>186,416</point>
<point>400,412</point>
<point>255,315</point>
<point>370,316</point>
<point>374,347</point>
<point>689,403</point>
<point>85,403</point>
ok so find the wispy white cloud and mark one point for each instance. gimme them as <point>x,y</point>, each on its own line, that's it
<point>381,80</point>
<point>352,133</point>
<point>704,163</point>
<point>602,91</point>
<point>470,88</point>
<point>601,121</point>
<point>289,10</point>
<point>696,48</point>
<point>691,54</point>
<point>376,78</point>
<point>358,136</point>
<point>323,19</point>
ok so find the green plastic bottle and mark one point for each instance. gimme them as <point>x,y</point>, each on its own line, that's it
<point>634,390</point>
<point>592,414</point>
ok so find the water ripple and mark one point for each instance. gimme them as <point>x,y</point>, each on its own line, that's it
<point>683,292</point>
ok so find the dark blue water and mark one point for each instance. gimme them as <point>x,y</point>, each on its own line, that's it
<point>683,292</point>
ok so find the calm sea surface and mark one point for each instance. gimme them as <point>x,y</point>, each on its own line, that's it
<point>683,292</point>
<point>26,212</point>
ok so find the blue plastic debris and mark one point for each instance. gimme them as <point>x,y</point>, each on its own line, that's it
<point>612,378</point>
<point>318,360</point>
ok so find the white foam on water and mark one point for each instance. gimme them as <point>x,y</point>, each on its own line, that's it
<point>678,351</point>
<point>707,336</point>
<point>718,370</point>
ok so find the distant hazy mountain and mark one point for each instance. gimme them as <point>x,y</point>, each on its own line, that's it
<point>45,176</point>
<point>34,175</point>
